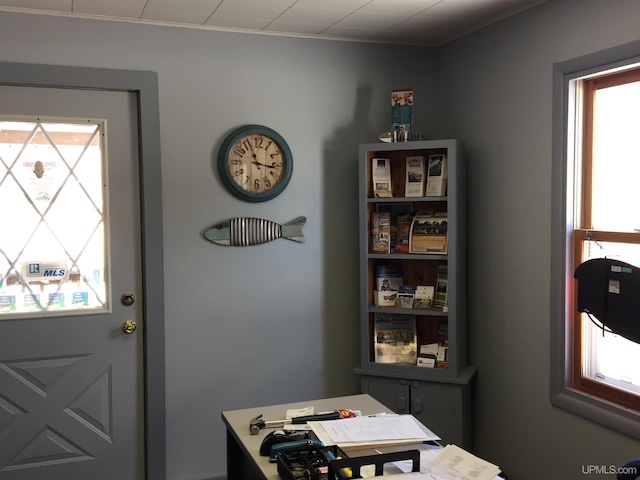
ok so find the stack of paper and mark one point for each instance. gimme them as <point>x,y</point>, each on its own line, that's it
<point>369,431</point>
<point>448,463</point>
<point>454,462</point>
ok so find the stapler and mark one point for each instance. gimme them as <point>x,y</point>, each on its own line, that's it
<point>293,448</point>
<point>280,436</point>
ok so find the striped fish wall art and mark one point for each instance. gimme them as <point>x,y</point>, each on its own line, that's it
<point>246,231</point>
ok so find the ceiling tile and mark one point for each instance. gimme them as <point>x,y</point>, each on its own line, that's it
<point>350,5</point>
<point>53,5</point>
<point>353,33</point>
<point>251,9</point>
<point>191,11</point>
<point>112,8</point>
<point>312,16</point>
<point>237,22</point>
<point>370,21</point>
<point>399,7</point>
<point>296,27</point>
<point>416,30</point>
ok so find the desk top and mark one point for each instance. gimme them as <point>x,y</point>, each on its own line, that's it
<point>237,422</point>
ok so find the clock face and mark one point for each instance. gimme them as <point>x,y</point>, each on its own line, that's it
<point>255,163</point>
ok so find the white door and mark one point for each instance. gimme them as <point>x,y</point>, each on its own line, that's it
<point>71,375</point>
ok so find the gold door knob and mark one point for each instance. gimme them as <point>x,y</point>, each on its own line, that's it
<point>129,327</point>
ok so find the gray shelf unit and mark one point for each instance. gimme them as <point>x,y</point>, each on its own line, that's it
<point>439,397</point>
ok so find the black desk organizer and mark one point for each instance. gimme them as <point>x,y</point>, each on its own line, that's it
<point>356,463</point>
<point>313,463</point>
<point>309,463</point>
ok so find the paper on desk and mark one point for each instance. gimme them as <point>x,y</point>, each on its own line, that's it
<point>440,463</point>
<point>372,430</point>
<point>299,412</point>
<point>448,463</point>
<point>420,476</point>
<point>455,463</point>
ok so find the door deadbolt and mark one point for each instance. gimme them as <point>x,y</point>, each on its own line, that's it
<point>128,299</point>
<point>129,327</point>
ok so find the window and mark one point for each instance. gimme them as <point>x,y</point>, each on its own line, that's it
<point>53,254</point>
<point>596,198</point>
<point>607,225</point>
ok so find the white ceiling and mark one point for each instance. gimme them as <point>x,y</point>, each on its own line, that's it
<point>411,22</point>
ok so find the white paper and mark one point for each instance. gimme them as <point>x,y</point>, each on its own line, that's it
<point>376,429</point>
<point>455,463</point>
<point>415,177</point>
<point>381,177</point>
<point>299,412</point>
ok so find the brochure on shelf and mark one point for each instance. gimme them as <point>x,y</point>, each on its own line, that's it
<point>440,296</point>
<point>428,233</point>
<point>385,298</point>
<point>380,232</point>
<point>403,230</point>
<point>404,300</point>
<point>388,276</point>
<point>423,296</point>
<point>415,181</point>
<point>436,176</point>
<point>406,296</point>
<point>381,177</point>
<point>401,114</point>
<point>427,355</point>
<point>395,338</point>
<point>396,210</point>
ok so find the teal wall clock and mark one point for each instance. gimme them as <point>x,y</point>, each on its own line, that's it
<point>255,163</point>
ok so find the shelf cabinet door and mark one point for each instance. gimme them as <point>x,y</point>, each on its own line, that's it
<point>445,409</point>
<point>393,393</point>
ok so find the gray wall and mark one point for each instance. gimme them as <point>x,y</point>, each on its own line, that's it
<point>498,98</point>
<point>277,323</point>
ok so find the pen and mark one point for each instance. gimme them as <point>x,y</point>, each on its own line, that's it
<point>345,472</point>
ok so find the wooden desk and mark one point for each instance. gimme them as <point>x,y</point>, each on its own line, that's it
<point>243,449</point>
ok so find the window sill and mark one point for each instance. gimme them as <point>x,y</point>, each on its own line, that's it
<point>597,410</point>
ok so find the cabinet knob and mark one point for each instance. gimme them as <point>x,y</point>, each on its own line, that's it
<point>402,404</point>
<point>417,405</point>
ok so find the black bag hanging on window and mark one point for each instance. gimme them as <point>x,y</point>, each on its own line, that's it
<point>609,290</point>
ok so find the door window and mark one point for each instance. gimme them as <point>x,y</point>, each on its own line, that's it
<point>52,209</point>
